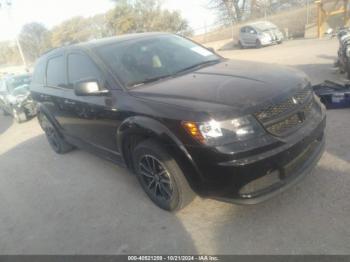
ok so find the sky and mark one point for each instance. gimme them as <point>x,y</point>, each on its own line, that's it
<point>53,12</point>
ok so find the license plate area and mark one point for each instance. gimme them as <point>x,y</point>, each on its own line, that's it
<point>297,163</point>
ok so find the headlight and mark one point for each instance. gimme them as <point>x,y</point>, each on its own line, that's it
<point>222,132</point>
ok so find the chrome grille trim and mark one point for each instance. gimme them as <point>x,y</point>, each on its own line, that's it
<point>287,116</point>
<point>285,106</point>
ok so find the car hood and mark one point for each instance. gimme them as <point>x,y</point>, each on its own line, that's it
<point>238,86</point>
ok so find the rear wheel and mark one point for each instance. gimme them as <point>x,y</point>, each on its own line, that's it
<point>161,177</point>
<point>56,141</point>
<point>19,115</point>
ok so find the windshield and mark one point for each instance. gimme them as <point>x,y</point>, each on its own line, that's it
<point>143,60</point>
<point>17,81</point>
<point>265,26</point>
<point>21,90</point>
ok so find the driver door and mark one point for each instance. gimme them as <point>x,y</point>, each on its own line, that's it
<point>91,119</point>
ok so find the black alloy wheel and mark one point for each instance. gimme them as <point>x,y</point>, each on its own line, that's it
<point>156,177</point>
<point>160,176</point>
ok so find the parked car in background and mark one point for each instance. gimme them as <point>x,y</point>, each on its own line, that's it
<point>181,117</point>
<point>344,51</point>
<point>259,34</point>
<point>15,97</point>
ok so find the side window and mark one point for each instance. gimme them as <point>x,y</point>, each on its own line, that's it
<point>81,67</point>
<point>39,73</point>
<point>251,30</point>
<point>55,72</point>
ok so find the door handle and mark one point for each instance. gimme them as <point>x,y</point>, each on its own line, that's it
<point>67,102</point>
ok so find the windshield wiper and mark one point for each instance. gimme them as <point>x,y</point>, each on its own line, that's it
<point>199,65</point>
<point>154,79</point>
<point>148,80</point>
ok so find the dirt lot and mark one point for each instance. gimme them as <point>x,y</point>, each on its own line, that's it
<point>80,204</point>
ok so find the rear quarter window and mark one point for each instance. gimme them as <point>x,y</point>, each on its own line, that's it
<point>39,73</point>
<point>55,72</point>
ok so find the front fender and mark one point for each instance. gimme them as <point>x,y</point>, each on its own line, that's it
<point>150,128</point>
<point>146,126</point>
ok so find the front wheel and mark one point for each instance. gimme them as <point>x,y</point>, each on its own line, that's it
<point>258,43</point>
<point>4,112</point>
<point>161,177</point>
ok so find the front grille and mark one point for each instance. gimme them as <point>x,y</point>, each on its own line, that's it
<point>274,111</point>
<point>284,117</point>
<point>284,125</point>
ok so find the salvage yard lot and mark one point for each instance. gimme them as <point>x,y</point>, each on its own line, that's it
<point>80,204</point>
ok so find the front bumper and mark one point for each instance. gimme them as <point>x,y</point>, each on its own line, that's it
<point>266,42</point>
<point>254,177</point>
<point>313,153</point>
<point>28,107</point>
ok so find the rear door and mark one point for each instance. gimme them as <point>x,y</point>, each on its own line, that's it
<point>91,119</point>
<point>55,79</point>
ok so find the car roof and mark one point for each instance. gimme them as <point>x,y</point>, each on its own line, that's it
<point>10,76</point>
<point>262,24</point>
<point>104,41</point>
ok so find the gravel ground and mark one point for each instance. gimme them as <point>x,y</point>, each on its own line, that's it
<point>80,204</point>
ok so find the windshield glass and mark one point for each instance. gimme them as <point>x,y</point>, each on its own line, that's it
<point>21,90</point>
<point>143,60</point>
<point>265,26</point>
<point>17,81</point>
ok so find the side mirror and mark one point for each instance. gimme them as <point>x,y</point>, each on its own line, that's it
<point>88,88</point>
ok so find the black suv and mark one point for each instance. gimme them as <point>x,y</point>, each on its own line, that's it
<point>181,117</point>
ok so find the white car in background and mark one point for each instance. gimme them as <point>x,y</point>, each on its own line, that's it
<point>259,34</point>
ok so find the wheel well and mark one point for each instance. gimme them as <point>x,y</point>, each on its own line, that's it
<point>132,140</point>
<point>47,116</point>
<point>128,145</point>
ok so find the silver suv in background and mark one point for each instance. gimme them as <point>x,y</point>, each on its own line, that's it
<point>259,34</point>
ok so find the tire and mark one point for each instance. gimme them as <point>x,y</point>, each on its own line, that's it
<point>56,141</point>
<point>257,44</point>
<point>161,177</point>
<point>4,112</point>
<point>240,45</point>
<point>279,42</point>
<point>19,116</point>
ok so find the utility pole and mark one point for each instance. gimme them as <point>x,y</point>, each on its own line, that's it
<point>307,11</point>
<point>7,5</point>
